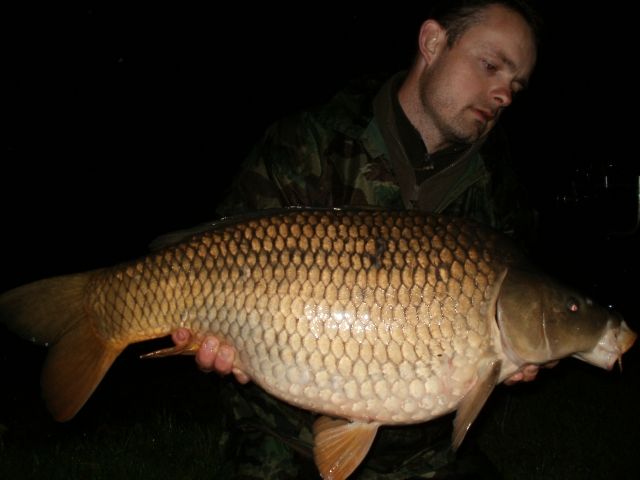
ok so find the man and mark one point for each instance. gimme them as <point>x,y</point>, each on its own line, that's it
<point>421,141</point>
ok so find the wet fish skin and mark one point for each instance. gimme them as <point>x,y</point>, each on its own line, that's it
<point>373,316</point>
<point>326,310</point>
<point>541,320</point>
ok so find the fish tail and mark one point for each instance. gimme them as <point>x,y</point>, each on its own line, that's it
<point>53,312</point>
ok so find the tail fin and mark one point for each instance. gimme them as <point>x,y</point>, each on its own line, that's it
<point>52,312</point>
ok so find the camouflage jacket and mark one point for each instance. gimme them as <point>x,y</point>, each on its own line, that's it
<point>349,152</point>
<point>339,155</point>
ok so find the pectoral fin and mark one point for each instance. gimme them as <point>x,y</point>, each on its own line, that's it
<point>184,344</point>
<point>473,402</point>
<point>187,349</point>
<point>340,445</point>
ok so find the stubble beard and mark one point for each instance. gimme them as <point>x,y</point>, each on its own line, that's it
<point>451,128</point>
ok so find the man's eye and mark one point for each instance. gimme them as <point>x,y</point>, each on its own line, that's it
<point>490,67</point>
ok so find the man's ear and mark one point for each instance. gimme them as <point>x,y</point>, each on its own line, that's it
<point>431,40</point>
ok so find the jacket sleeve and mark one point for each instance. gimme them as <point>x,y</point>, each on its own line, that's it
<point>286,168</point>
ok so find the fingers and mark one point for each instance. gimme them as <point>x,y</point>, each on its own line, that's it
<point>181,337</point>
<point>207,354</point>
<point>212,355</point>
<point>515,378</point>
<point>525,374</point>
<point>241,377</point>
<point>224,364</point>
<point>224,359</point>
<point>530,372</point>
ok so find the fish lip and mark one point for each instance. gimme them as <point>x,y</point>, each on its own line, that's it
<point>626,337</point>
<point>614,356</point>
<point>615,341</point>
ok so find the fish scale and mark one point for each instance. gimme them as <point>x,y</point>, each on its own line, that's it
<point>373,317</point>
<point>383,297</point>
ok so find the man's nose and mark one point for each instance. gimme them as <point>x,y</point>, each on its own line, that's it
<point>503,95</point>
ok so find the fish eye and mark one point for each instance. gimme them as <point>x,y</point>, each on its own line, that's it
<point>589,302</point>
<point>572,305</point>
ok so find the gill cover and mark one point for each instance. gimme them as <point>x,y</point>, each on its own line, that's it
<point>541,320</point>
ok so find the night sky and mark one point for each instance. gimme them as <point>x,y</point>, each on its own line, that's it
<point>123,123</point>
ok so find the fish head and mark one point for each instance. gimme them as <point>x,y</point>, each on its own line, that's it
<point>541,320</point>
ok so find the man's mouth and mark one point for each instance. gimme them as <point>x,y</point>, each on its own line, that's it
<point>485,115</point>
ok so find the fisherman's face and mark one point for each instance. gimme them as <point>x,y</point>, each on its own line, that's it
<point>466,87</point>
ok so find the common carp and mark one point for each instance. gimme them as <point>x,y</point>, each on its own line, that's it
<point>366,317</point>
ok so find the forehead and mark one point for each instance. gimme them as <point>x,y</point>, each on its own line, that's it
<point>505,31</point>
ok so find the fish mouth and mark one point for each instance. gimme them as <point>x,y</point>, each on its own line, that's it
<point>626,339</point>
<point>612,345</point>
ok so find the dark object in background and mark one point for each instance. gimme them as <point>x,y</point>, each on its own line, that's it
<point>606,195</point>
<point>590,224</point>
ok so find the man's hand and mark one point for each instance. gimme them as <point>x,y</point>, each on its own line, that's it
<point>216,356</point>
<point>211,355</point>
<point>527,373</point>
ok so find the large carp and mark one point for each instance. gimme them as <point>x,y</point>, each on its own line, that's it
<point>369,317</point>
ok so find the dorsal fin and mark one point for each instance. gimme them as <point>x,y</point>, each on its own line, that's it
<point>340,446</point>
<point>173,238</point>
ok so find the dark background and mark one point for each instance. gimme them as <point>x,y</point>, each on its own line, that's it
<point>123,123</point>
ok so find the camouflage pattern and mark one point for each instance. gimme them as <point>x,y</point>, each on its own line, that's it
<point>337,156</point>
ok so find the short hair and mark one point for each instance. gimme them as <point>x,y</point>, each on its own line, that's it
<point>457,16</point>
